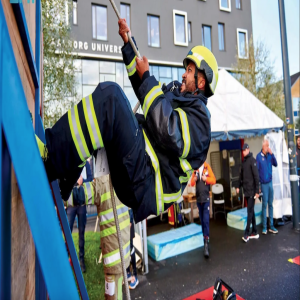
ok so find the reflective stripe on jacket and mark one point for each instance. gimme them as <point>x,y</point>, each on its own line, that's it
<point>176,129</point>
<point>108,231</point>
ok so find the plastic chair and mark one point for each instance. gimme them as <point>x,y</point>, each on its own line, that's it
<point>217,189</point>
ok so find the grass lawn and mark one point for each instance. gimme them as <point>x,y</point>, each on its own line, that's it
<point>94,276</point>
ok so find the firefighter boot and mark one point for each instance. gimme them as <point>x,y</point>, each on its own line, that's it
<point>42,148</point>
<point>206,248</point>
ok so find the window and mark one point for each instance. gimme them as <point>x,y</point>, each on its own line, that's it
<point>125,12</point>
<point>238,4</point>
<point>153,31</point>
<point>190,31</point>
<point>296,131</point>
<point>221,37</point>
<point>180,28</point>
<point>74,12</point>
<point>99,19</point>
<point>206,36</point>
<point>296,104</point>
<point>242,41</point>
<point>225,5</point>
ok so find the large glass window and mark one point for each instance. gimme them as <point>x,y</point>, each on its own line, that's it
<point>180,28</point>
<point>74,12</point>
<point>238,4</point>
<point>153,31</point>
<point>190,31</point>
<point>99,20</point>
<point>125,12</point>
<point>242,40</point>
<point>90,72</point>
<point>221,37</point>
<point>206,36</point>
<point>296,104</point>
<point>225,5</point>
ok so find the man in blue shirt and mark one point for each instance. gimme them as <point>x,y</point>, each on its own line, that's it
<point>265,160</point>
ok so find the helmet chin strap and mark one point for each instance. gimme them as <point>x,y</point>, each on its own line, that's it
<point>196,80</point>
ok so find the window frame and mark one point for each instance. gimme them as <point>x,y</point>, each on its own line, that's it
<point>240,4</point>
<point>191,30</point>
<point>203,40</point>
<point>238,44</point>
<point>76,8</point>
<point>181,13</point>
<point>225,8</point>
<point>219,23</point>
<point>156,16</point>
<point>127,4</point>
<point>100,5</point>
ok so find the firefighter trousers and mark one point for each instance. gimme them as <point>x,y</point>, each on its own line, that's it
<point>130,167</point>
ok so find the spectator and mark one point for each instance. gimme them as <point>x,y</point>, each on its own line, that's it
<point>77,207</point>
<point>265,160</point>
<point>249,180</point>
<point>132,279</point>
<point>204,177</point>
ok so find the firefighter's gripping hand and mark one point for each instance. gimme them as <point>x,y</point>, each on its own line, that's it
<point>123,30</point>
<point>142,66</point>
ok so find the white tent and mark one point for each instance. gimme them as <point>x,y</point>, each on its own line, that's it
<point>236,113</point>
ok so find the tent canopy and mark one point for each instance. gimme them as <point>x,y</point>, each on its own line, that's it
<point>236,113</point>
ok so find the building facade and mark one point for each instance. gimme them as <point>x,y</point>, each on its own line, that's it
<point>165,31</point>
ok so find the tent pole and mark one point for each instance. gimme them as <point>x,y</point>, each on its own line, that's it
<point>289,119</point>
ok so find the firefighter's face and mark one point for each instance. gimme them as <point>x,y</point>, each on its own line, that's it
<point>188,79</point>
<point>298,142</point>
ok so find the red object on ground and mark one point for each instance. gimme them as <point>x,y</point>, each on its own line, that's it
<point>171,215</point>
<point>295,260</point>
<point>207,295</point>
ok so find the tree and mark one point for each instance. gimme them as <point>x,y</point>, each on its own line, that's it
<point>59,70</point>
<point>256,73</point>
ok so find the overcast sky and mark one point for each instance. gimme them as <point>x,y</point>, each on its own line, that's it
<point>265,23</point>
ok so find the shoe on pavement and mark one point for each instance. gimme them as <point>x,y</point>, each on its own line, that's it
<point>134,282</point>
<point>245,238</point>
<point>254,236</point>
<point>273,229</point>
<point>264,231</point>
<point>206,248</point>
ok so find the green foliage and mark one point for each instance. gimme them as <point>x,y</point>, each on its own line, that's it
<point>256,73</point>
<point>59,71</point>
<point>94,277</point>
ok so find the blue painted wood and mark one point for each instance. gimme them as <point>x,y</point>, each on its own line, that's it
<point>32,179</point>
<point>5,223</point>
<point>25,37</point>
<point>69,240</point>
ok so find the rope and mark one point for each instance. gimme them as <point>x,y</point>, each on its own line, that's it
<point>137,53</point>
<point>119,238</point>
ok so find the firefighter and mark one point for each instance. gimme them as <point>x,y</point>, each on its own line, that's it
<point>109,241</point>
<point>152,156</point>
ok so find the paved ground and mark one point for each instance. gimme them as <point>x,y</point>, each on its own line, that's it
<point>256,270</point>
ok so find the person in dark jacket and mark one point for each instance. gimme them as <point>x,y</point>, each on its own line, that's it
<point>249,180</point>
<point>77,207</point>
<point>265,160</point>
<point>204,178</point>
<point>150,161</point>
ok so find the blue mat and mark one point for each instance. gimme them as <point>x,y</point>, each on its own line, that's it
<point>174,242</point>
<point>238,218</point>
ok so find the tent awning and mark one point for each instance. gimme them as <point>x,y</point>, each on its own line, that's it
<point>236,113</point>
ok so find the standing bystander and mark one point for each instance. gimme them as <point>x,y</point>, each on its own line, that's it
<point>204,177</point>
<point>265,160</point>
<point>249,180</point>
